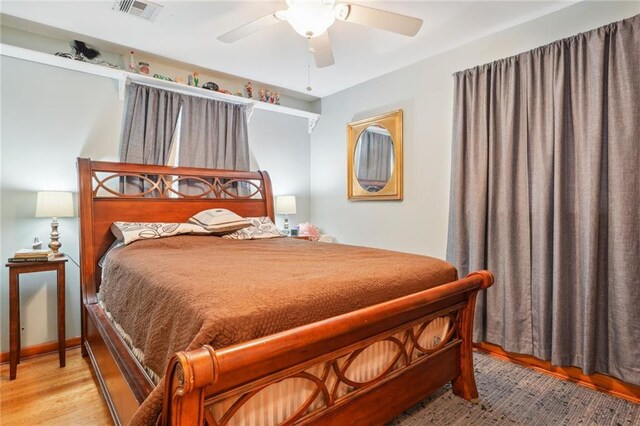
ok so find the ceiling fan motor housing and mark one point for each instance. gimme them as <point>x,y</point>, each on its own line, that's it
<point>309,18</point>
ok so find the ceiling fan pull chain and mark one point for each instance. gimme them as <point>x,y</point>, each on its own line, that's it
<point>310,51</point>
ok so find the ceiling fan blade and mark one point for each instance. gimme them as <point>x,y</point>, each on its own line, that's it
<point>322,50</point>
<point>250,28</point>
<point>384,20</point>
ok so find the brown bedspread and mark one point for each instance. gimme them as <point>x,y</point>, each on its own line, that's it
<point>180,293</point>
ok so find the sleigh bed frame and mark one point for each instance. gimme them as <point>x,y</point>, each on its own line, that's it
<point>196,379</point>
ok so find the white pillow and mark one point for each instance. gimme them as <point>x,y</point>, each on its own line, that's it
<point>261,228</point>
<point>128,232</point>
<point>219,221</point>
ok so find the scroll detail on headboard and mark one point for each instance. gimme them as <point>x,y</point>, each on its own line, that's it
<point>136,185</point>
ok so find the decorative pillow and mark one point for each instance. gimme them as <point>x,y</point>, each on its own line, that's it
<point>261,227</point>
<point>128,232</point>
<point>309,230</point>
<point>219,221</point>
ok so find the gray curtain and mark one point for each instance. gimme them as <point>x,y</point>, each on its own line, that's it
<point>374,153</point>
<point>150,120</point>
<point>213,135</point>
<point>546,194</point>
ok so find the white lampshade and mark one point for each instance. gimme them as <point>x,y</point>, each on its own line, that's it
<point>286,204</point>
<point>54,204</point>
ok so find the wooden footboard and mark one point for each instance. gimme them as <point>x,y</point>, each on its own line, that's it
<point>207,385</point>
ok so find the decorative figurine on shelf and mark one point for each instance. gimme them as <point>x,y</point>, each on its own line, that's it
<point>239,93</point>
<point>262,95</point>
<point>210,85</point>
<point>179,80</point>
<point>196,79</point>
<point>83,51</point>
<point>143,68</point>
<point>249,88</point>
<point>161,77</point>
<point>190,80</point>
<point>132,63</point>
<point>267,96</point>
<point>277,98</point>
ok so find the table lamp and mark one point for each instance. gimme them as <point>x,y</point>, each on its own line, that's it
<point>54,204</point>
<point>286,205</point>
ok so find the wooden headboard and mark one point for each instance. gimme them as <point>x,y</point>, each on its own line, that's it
<point>101,203</point>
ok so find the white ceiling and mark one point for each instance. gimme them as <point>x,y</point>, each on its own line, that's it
<point>186,31</point>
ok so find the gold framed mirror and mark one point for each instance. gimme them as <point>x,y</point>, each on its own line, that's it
<point>374,158</point>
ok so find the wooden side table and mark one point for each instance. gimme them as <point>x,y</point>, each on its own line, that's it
<point>15,269</point>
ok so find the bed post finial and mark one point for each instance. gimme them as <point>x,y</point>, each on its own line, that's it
<point>268,194</point>
<point>87,267</point>
<point>188,375</point>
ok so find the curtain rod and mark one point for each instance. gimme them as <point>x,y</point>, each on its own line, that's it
<point>608,28</point>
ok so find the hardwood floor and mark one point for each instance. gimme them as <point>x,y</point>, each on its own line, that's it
<point>44,393</point>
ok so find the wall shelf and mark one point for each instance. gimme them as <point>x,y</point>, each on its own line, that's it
<point>124,76</point>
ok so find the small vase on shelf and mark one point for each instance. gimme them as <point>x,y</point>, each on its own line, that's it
<point>132,63</point>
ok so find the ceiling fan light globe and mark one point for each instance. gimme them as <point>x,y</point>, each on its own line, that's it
<point>310,19</point>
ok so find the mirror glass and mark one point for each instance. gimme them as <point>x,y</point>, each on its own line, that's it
<point>374,158</point>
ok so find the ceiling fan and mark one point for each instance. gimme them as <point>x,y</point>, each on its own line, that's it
<point>312,19</point>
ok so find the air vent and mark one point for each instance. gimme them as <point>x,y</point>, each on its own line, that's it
<point>142,9</point>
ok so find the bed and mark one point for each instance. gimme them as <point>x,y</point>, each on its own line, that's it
<point>365,362</point>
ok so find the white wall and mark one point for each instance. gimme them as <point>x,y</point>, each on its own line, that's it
<point>49,117</point>
<point>425,92</point>
<point>280,145</point>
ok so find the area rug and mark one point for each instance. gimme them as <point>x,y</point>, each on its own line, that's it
<point>514,395</point>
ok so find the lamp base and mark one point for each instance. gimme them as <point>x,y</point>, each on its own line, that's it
<point>286,225</point>
<point>54,244</point>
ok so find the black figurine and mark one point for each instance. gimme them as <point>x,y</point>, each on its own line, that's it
<point>84,51</point>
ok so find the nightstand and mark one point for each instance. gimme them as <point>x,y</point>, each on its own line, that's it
<point>15,269</point>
